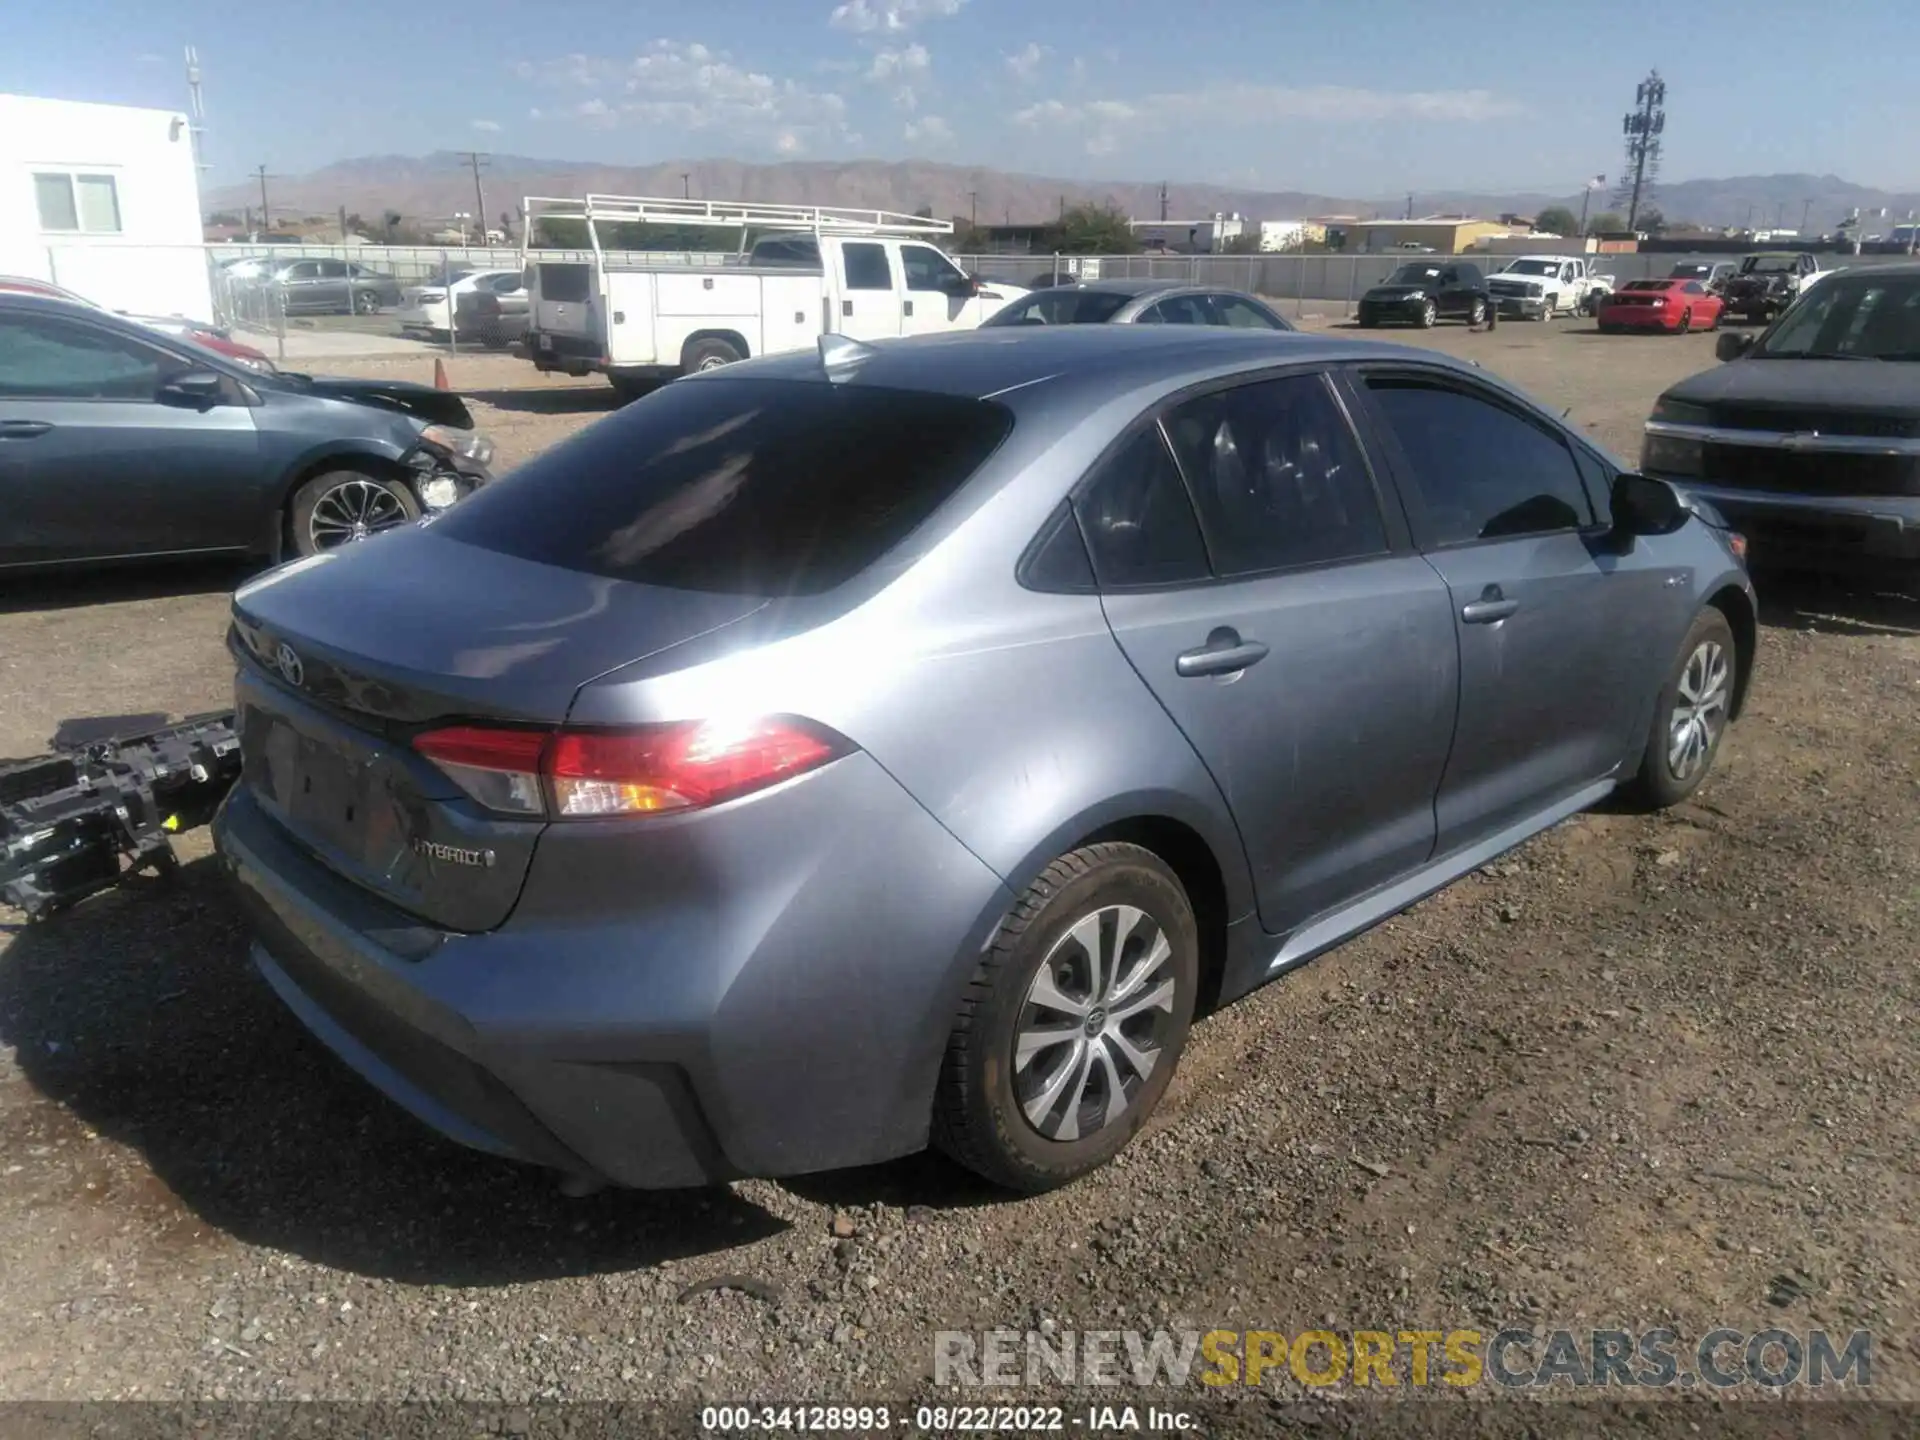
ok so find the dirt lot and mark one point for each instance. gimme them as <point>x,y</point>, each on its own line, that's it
<point>1646,1071</point>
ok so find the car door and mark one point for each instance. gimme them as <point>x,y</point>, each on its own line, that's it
<point>1499,509</point>
<point>870,302</point>
<point>1468,289</point>
<point>1259,587</point>
<point>299,286</point>
<point>331,290</point>
<point>1448,299</point>
<point>937,293</point>
<point>92,464</point>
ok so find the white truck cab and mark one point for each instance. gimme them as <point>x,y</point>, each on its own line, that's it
<point>1538,287</point>
<point>811,271</point>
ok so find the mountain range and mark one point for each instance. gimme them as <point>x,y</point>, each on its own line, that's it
<point>427,189</point>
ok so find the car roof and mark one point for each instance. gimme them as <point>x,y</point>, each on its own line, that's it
<point>1093,362</point>
<point>18,301</point>
<point>1122,286</point>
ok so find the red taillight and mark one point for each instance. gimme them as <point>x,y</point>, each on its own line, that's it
<point>642,770</point>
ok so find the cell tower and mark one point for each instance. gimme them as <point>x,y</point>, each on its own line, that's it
<point>1643,128</point>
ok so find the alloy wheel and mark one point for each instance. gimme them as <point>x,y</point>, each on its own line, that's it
<point>1699,709</point>
<point>1094,1023</point>
<point>353,510</point>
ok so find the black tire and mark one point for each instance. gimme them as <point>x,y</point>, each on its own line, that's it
<point>1367,322</point>
<point>1686,320</point>
<point>1429,313</point>
<point>978,1114</point>
<point>1660,782</point>
<point>1477,316</point>
<point>709,354</point>
<point>1549,308</point>
<point>342,493</point>
<point>366,302</point>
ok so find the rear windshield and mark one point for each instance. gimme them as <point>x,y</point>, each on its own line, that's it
<point>745,487</point>
<point>1062,307</point>
<point>567,284</point>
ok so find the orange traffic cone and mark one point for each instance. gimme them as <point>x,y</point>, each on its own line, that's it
<point>440,374</point>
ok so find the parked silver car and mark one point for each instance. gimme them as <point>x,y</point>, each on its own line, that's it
<point>840,751</point>
<point>1137,302</point>
<point>331,287</point>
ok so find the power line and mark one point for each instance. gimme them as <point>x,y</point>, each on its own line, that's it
<point>478,161</point>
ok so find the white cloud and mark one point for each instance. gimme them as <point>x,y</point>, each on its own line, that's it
<point>902,70</point>
<point>865,16</point>
<point>535,113</point>
<point>1106,122</point>
<point>687,86</point>
<point>1025,62</point>
<point>928,130</point>
<point>491,127</point>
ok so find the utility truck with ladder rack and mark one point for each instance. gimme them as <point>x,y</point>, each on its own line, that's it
<point>796,273</point>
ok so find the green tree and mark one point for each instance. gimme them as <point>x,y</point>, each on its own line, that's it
<point>1605,223</point>
<point>1557,219</point>
<point>1247,242</point>
<point>1651,220</point>
<point>1091,230</point>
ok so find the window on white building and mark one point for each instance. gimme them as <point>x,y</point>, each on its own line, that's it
<point>89,204</point>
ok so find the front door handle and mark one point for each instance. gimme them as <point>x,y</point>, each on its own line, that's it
<point>23,429</point>
<point>1225,653</point>
<point>1492,606</point>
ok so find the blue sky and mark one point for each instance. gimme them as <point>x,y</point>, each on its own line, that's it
<point>1364,98</point>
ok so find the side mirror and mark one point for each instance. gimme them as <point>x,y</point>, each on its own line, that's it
<point>963,285</point>
<point>192,390</point>
<point>1732,344</point>
<point>1643,505</point>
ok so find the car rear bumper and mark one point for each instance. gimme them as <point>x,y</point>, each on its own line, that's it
<point>768,995</point>
<point>1840,532</point>
<point>1640,317</point>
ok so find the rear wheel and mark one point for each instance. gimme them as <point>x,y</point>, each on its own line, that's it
<point>708,354</point>
<point>1686,321</point>
<point>1691,715</point>
<point>1070,1029</point>
<point>343,506</point>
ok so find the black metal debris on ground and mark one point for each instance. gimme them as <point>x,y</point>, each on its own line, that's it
<point>114,788</point>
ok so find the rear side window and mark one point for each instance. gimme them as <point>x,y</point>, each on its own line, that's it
<point>1061,307</point>
<point>1137,520</point>
<point>1278,476</point>
<point>867,267</point>
<point>744,487</point>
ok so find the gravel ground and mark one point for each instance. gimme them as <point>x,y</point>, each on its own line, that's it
<point>1642,1072</point>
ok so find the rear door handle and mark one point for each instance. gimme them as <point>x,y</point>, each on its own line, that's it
<point>1492,606</point>
<point>23,429</point>
<point>1223,654</point>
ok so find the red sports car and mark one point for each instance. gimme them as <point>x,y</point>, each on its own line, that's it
<point>1675,306</point>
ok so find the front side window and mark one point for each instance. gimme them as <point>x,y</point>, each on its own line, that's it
<point>88,204</point>
<point>1480,470</point>
<point>49,359</point>
<point>926,268</point>
<point>1137,520</point>
<point>1277,476</point>
<point>1178,310</point>
<point>739,487</point>
<point>867,267</point>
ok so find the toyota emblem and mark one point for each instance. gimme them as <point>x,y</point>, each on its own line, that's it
<point>287,661</point>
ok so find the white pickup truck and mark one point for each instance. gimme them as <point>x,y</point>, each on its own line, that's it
<point>812,271</point>
<point>1539,287</point>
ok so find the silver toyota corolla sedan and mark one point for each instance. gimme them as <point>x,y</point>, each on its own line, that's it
<point>844,751</point>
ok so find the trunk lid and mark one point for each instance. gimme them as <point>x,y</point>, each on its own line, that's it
<point>344,661</point>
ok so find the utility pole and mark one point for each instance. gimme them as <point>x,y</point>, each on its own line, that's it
<point>686,186</point>
<point>973,209</point>
<point>1780,216</point>
<point>1806,209</point>
<point>1643,128</point>
<point>1586,199</point>
<point>266,215</point>
<point>1163,202</point>
<point>1409,207</point>
<point>477,161</point>
<point>1063,207</point>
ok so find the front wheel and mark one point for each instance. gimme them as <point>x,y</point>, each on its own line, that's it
<point>343,506</point>
<point>1549,307</point>
<point>1070,1029</point>
<point>1477,316</point>
<point>1686,321</point>
<point>1691,715</point>
<point>1429,313</point>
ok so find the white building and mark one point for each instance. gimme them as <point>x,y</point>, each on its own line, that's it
<point>105,200</point>
<point>1285,235</point>
<point>1188,237</point>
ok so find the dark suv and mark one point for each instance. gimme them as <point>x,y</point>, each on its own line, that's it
<point>1425,291</point>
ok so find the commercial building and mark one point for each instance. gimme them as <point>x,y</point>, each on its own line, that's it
<point>1189,237</point>
<point>105,200</point>
<point>1440,234</point>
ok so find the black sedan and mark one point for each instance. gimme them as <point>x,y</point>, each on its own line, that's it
<point>117,442</point>
<point>1425,292</point>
